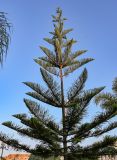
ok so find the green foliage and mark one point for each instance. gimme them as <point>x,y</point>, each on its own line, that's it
<point>108,101</point>
<point>64,139</point>
<point>4,36</point>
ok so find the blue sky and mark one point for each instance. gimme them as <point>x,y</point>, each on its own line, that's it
<point>95,28</point>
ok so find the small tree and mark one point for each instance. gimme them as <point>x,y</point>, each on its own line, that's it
<point>4,36</point>
<point>56,139</point>
<point>3,147</point>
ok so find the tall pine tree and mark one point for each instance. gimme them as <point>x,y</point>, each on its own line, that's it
<point>55,139</point>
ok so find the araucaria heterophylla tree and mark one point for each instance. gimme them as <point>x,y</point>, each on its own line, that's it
<point>62,139</point>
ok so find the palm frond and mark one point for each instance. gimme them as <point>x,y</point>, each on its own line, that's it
<point>4,36</point>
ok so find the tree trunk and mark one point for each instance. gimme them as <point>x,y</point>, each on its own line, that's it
<point>63,117</point>
<point>2,153</point>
